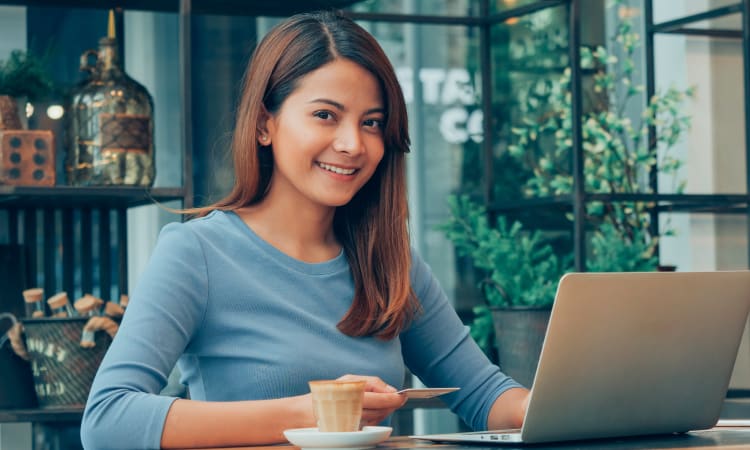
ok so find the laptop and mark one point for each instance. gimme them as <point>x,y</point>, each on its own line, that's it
<point>631,354</point>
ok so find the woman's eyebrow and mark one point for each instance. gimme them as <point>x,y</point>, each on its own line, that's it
<point>341,107</point>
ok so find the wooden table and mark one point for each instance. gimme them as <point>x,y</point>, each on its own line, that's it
<point>717,438</point>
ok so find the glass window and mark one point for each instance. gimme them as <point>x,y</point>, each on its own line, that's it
<point>438,67</point>
<point>498,6</point>
<point>666,10</point>
<point>457,8</point>
<point>713,148</point>
<point>529,55</point>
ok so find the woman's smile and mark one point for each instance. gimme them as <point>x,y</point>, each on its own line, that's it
<point>336,169</point>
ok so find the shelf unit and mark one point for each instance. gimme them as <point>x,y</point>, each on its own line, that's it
<point>76,237</point>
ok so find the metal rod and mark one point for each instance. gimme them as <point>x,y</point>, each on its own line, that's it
<point>49,256</point>
<point>746,88</point>
<point>650,61</point>
<point>186,116</point>
<point>122,250</point>
<point>13,237</point>
<point>29,241</point>
<point>707,32</point>
<point>579,206</point>
<point>485,63</point>
<point>68,253</point>
<point>105,255</point>
<point>87,266</point>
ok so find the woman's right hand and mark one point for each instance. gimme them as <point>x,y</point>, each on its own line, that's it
<point>380,399</point>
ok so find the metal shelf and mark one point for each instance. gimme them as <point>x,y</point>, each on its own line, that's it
<point>69,196</point>
<point>42,415</point>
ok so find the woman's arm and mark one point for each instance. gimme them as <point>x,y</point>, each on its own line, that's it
<point>509,409</point>
<point>258,422</point>
<point>193,423</point>
<point>438,349</point>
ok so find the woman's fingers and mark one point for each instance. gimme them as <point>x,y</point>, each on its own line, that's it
<point>376,406</point>
<point>380,399</point>
<point>374,384</point>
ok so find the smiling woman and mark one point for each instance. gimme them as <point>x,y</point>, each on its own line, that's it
<point>303,272</point>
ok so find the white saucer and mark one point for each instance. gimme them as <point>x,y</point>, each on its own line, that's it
<point>312,438</point>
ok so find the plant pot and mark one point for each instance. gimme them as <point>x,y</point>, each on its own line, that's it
<point>519,334</point>
<point>12,114</point>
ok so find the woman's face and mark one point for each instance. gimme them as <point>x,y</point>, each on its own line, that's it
<point>327,137</point>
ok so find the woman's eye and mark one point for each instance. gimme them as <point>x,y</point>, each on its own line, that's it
<point>325,115</point>
<point>374,123</point>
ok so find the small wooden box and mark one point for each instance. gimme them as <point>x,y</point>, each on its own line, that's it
<point>27,157</point>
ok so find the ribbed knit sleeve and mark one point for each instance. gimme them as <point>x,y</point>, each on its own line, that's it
<point>124,409</point>
<point>439,350</point>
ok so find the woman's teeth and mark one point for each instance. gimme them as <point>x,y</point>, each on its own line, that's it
<point>335,169</point>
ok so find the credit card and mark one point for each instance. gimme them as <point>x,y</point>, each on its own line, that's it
<point>426,392</point>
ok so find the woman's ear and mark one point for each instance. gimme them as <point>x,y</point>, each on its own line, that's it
<point>264,137</point>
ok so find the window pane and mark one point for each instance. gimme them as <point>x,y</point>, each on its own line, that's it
<point>498,6</point>
<point>459,8</point>
<point>713,148</point>
<point>438,67</point>
<point>529,55</point>
<point>666,10</point>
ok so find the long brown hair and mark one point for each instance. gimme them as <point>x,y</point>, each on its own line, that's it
<point>372,227</point>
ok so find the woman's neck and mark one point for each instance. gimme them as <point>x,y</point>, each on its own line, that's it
<point>304,233</point>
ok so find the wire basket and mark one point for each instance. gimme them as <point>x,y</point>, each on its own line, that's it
<point>63,370</point>
<point>16,384</point>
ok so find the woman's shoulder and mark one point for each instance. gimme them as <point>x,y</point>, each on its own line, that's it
<point>214,222</point>
<point>215,227</point>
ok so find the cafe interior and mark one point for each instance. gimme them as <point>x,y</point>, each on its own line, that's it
<point>578,135</point>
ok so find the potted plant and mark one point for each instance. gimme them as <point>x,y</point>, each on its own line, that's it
<point>519,274</point>
<point>22,77</point>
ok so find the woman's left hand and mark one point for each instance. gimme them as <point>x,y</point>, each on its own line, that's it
<point>380,399</point>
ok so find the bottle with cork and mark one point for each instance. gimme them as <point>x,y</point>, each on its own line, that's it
<point>60,306</point>
<point>88,306</point>
<point>33,299</point>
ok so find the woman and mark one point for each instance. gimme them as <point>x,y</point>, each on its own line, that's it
<point>302,272</point>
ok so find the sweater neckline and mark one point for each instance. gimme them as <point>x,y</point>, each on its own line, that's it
<point>334,265</point>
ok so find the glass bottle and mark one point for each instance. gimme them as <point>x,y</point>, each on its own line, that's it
<point>111,134</point>
<point>60,306</point>
<point>87,306</point>
<point>33,300</point>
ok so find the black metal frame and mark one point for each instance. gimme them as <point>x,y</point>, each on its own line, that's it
<point>695,203</point>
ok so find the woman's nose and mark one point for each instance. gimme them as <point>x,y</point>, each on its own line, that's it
<point>348,140</point>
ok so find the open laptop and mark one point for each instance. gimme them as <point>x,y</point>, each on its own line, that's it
<point>630,354</point>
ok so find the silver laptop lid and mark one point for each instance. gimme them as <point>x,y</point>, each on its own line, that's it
<point>637,353</point>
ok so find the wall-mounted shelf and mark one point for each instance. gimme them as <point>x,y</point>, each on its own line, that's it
<point>69,196</point>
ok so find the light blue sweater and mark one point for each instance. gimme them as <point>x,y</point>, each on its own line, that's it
<point>245,321</point>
